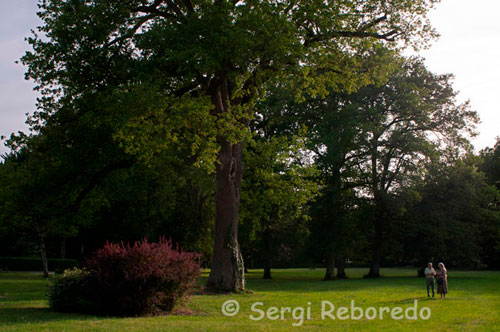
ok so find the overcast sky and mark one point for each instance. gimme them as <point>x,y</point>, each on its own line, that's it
<point>469,48</point>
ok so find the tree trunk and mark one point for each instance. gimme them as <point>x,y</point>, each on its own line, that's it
<point>330,267</point>
<point>267,254</point>
<point>341,267</point>
<point>43,254</point>
<point>267,272</point>
<point>376,187</point>
<point>377,249</point>
<point>227,269</point>
<point>63,248</point>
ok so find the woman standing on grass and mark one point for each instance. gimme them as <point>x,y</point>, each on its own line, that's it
<point>442,280</point>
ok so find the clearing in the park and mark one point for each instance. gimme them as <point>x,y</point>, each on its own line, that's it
<point>473,304</point>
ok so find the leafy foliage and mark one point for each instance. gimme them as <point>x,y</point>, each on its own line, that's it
<point>454,218</point>
<point>278,184</point>
<point>69,292</point>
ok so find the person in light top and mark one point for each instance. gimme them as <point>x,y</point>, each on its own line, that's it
<point>429,278</point>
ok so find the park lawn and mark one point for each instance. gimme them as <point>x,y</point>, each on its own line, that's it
<point>473,304</point>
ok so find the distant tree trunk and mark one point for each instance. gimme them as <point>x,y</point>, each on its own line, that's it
<point>267,253</point>
<point>341,267</point>
<point>227,269</point>
<point>43,254</point>
<point>330,267</point>
<point>379,208</point>
<point>267,272</point>
<point>377,248</point>
<point>63,249</point>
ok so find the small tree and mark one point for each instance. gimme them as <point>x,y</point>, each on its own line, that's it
<point>31,204</point>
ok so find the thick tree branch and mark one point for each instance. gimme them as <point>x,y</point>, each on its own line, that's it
<point>148,9</point>
<point>156,12</point>
<point>96,179</point>
<point>388,36</point>
<point>189,5</point>
<point>395,173</point>
<point>361,32</point>
<point>387,163</point>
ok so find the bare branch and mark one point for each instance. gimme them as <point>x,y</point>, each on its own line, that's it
<point>388,36</point>
<point>373,23</point>
<point>132,31</point>
<point>359,33</point>
<point>176,9</point>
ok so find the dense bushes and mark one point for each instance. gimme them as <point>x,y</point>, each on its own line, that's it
<point>146,278</point>
<point>35,264</point>
<point>70,292</point>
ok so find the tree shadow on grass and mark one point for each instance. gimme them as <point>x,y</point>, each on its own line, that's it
<point>318,285</point>
<point>16,316</point>
<point>304,282</point>
<point>408,301</point>
<point>31,276</point>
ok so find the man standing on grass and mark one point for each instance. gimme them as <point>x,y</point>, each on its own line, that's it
<point>429,278</point>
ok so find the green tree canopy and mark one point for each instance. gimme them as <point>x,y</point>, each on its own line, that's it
<point>163,74</point>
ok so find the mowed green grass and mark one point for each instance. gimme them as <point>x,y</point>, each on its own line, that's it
<point>473,304</point>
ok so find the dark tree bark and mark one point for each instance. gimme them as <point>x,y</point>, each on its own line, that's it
<point>63,249</point>
<point>330,267</point>
<point>43,254</point>
<point>341,267</point>
<point>377,248</point>
<point>267,272</point>
<point>227,269</point>
<point>268,253</point>
<point>82,248</point>
<point>379,211</point>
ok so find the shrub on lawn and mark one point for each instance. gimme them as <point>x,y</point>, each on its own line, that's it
<point>69,292</point>
<point>143,279</point>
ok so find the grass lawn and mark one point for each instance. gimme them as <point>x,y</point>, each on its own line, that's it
<point>473,304</point>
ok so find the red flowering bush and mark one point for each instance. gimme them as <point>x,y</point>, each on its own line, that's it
<point>143,279</point>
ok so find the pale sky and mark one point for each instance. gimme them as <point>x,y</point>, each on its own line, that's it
<point>469,48</point>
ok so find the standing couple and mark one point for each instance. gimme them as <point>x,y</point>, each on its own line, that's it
<point>441,279</point>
